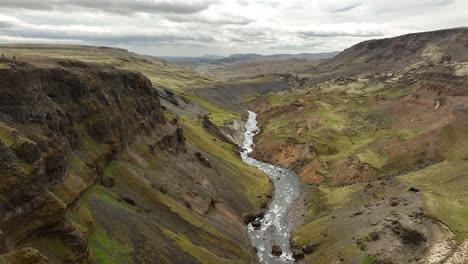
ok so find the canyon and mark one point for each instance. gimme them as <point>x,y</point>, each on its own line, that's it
<point>108,156</point>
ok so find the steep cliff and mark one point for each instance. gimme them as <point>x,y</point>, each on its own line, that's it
<point>93,169</point>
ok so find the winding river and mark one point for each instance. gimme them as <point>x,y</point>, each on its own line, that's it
<point>276,226</point>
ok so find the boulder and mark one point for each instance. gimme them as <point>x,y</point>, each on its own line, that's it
<point>187,204</point>
<point>29,152</point>
<point>276,250</point>
<point>256,224</point>
<point>163,188</point>
<point>108,181</point>
<point>128,200</point>
<point>297,253</point>
<point>373,236</point>
<point>407,234</point>
<point>202,159</point>
<point>252,216</point>
<point>310,247</point>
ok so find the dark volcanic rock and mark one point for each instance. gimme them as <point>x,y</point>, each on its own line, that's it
<point>373,236</point>
<point>214,130</point>
<point>276,250</point>
<point>297,253</point>
<point>256,224</point>
<point>202,159</point>
<point>310,247</point>
<point>128,200</point>
<point>29,152</point>
<point>163,188</point>
<point>407,234</point>
<point>252,216</point>
<point>108,181</point>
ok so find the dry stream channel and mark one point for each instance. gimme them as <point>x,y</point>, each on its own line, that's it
<point>276,226</point>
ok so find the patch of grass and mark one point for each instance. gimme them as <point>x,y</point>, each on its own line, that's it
<point>52,245</point>
<point>250,181</point>
<point>200,253</point>
<point>394,92</point>
<point>339,196</point>
<point>445,187</point>
<point>140,146</point>
<point>107,249</point>
<point>454,139</point>
<point>253,80</point>
<point>372,158</point>
<point>281,99</point>
<point>369,260</point>
<point>218,115</point>
<point>311,231</point>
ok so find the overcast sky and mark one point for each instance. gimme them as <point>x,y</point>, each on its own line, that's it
<point>222,27</point>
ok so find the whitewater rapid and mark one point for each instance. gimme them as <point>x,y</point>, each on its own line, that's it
<point>276,226</point>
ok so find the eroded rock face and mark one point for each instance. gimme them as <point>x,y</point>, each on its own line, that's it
<point>54,117</point>
<point>25,256</point>
<point>351,170</point>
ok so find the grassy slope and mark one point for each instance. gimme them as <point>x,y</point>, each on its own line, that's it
<point>443,185</point>
<point>446,190</point>
<point>333,111</point>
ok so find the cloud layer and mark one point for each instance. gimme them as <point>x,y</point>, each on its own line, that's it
<point>198,27</point>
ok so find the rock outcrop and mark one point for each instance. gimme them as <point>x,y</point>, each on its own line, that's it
<point>51,118</point>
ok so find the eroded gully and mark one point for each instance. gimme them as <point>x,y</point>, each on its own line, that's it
<point>276,226</point>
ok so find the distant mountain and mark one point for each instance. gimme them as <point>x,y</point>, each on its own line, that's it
<point>277,57</point>
<point>244,57</point>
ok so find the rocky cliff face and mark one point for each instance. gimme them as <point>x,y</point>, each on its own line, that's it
<point>48,118</point>
<point>91,171</point>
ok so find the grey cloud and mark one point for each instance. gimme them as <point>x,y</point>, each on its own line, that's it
<point>325,34</point>
<point>108,38</point>
<point>4,24</point>
<point>112,6</point>
<point>225,20</point>
<point>295,46</point>
<point>344,8</point>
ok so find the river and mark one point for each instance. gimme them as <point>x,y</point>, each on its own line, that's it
<point>276,226</point>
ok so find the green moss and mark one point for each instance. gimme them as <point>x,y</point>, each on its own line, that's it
<point>311,231</point>
<point>218,115</point>
<point>253,80</point>
<point>226,244</point>
<point>372,158</point>
<point>339,196</point>
<point>51,245</point>
<point>281,99</point>
<point>6,133</point>
<point>77,166</point>
<point>453,143</point>
<point>394,92</point>
<point>200,253</point>
<point>107,249</point>
<point>369,260</point>
<point>140,146</point>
